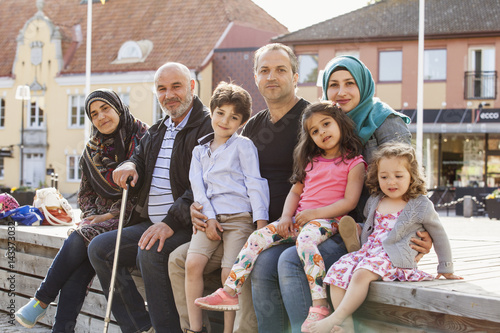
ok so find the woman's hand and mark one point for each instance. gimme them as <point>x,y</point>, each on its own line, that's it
<point>422,245</point>
<point>197,217</point>
<point>95,219</point>
<point>285,227</point>
<point>212,228</point>
<point>450,276</point>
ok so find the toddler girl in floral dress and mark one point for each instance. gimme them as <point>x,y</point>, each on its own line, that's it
<point>397,209</point>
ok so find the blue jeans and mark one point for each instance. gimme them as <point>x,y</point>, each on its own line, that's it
<point>68,276</point>
<point>280,291</point>
<point>128,305</point>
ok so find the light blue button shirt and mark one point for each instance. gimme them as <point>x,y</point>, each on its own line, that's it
<point>227,180</point>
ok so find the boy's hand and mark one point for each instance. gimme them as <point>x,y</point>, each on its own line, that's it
<point>212,228</point>
<point>450,276</point>
<point>261,224</point>
<point>285,227</point>
<point>197,217</point>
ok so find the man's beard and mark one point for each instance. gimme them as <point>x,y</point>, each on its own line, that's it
<point>181,109</point>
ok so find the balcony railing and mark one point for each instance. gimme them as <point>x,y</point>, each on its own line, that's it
<point>480,85</point>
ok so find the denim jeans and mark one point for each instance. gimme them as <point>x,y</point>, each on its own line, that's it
<point>280,291</point>
<point>68,276</point>
<point>128,305</point>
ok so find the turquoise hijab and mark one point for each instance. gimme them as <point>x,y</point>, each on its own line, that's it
<point>370,112</point>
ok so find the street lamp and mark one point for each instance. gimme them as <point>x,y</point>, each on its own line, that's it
<point>23,94</point>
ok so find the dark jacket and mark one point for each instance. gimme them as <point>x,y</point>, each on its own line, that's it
<point>145,156</point>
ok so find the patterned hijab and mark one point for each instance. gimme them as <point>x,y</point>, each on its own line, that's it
<point>370,112</point>
<point>104,152</point>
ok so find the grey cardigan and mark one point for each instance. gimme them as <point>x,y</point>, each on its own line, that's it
<point>418,215</point>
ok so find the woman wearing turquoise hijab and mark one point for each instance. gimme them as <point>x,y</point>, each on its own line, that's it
<point>349,83</point>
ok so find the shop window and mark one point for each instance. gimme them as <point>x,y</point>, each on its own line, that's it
<point>308,68</point>
<point>390,66</point>
<point>76,111</point>
<point>73,170</point>
<point>435,65</point>
<point>463,159</point>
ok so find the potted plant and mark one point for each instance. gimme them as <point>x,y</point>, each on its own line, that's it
<point>493,204</point>
<point>23,194</point>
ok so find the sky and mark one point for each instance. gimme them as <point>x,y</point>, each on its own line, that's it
<point>298,14</point>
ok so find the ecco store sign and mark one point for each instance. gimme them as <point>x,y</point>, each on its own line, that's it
<point>489,116</point>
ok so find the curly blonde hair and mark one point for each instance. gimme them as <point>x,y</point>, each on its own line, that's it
<point>402,150</point>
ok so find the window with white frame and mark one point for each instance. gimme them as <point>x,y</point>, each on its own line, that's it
<point>2,170</point>
<point>308,68</point>
<point>435,65</point>
<point>125,97</point>
<point>73,168</point>
<point>157,111</point>
<point>390,66</point>
<point>35,117</point>
<point>2,113</point>
<point>76,111</point>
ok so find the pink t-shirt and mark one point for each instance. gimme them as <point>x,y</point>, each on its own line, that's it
<point>326,182</point>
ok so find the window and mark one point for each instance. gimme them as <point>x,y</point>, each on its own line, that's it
<point>2,113</point>
<point>390,66</point>
<point>435,65</point>
<point>73,168</point>
<point>482,75</point>
<point>2,170</point>
<point>125,97</point>
<point>36,116</point>
<point>76,111</point>
<point>308,68</point>
<point>157,112</point>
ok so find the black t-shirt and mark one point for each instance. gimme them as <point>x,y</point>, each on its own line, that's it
<point>275,144</point>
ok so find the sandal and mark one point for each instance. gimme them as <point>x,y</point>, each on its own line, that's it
<point>316,313</point>
<point>348,230</point>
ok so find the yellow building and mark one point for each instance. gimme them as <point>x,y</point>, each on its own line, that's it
<point>44,47</point>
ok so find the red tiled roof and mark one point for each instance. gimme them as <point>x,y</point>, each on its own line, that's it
<point>180,30</point>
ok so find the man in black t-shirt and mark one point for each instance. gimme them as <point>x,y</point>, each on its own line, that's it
<point>274,131</point>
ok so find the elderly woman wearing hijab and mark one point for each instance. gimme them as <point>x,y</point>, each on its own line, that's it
<point>115,134</point>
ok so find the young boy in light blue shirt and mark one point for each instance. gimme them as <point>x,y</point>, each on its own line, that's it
<point>226,181</point>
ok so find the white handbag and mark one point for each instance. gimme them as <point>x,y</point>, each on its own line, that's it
<point>55,208</point>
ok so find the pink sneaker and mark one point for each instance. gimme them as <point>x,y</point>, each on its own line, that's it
<point>220,300</point>
<point>316,313</point>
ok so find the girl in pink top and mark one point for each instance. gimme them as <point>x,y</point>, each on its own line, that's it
<point>327,181</point>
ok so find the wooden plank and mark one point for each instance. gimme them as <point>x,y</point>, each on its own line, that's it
<point>425,320</point>
<point>454,303</point>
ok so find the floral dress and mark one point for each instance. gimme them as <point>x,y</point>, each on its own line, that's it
<point>373,257</point>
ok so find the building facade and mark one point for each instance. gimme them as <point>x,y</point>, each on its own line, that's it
<point>43,46</point>
<point>461,141</point>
